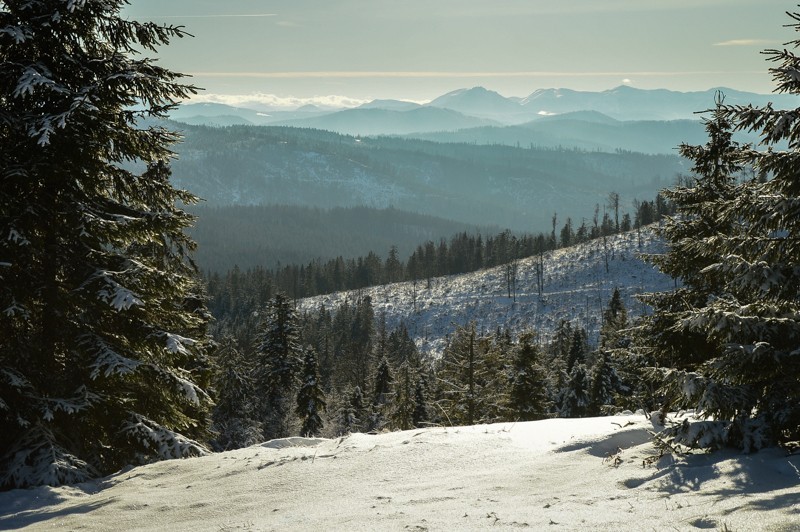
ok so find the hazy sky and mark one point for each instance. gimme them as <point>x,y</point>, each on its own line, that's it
<point>414,49</point>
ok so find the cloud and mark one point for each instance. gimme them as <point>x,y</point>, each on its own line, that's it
<point>273,101</point>
<point>745,42</point>
<point>246,15</point>
<point>627,81</point>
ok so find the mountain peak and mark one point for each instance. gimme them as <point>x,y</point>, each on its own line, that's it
<point>477,101</point>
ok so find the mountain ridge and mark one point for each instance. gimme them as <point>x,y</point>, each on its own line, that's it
<point>623,103</point>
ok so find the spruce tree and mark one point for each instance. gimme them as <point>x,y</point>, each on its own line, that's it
<point>382,396</point>
<point>420,416</point>
<point>351,415</point>
<point>604,383</point>
<point>615,320</point>
<point>310,397</point>
<point>235,417</point>
<point>473,380</point>
<point>278,360</point>
<point>102,327</point>
<point>728,338</point>
<point>575,397</point>
<point>527,398</point>
<point>402,415</point>
<point>459,374</point>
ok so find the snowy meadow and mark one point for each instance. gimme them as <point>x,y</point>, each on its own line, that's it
<point>557,474</point>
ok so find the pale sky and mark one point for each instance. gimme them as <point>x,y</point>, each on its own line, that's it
<point>413,49</point>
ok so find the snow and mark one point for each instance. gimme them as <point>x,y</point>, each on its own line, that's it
<point>556,474</point>
<point>577,288</point>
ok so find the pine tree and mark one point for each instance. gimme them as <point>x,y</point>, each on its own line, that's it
<point>102,325</point>
<point>575,397</point>
<point>459,373</point>
<point>578,348</point>
<point>234,415</point>
<point>351,415</point>
<point>528,382</point>
<point>402,415</point>
<point>310,397</point>
<point>382,396</point>
<point>473,379</point>
<point>420,416</point>
<point>604,383</point>
<point>278,359</point>
<point>615,319</point>
<point>728,337</point>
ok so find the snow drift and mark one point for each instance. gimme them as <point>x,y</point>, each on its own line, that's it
<point>558,474</point>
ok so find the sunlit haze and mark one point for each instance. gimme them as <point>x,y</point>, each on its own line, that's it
<point>342,53</point>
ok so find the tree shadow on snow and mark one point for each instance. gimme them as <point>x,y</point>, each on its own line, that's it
<point>36,511</point>
<point>25,507</point>
<point>762,476</point>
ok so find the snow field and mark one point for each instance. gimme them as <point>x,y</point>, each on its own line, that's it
<point>557,474</point>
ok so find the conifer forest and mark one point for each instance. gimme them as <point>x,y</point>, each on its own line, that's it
<point>123,344</point>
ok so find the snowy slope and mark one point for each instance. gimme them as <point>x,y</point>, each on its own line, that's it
<point>577,288</point>
<point>558,474</point>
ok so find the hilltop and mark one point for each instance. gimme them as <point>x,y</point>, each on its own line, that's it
<point>576,288</point>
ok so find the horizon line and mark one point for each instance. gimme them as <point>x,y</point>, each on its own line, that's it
<point>357,74</point>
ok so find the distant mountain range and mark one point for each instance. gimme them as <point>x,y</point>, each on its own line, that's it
<point>468,106</point>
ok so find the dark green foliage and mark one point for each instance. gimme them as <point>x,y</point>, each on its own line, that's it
<point>578,349</point>
<point>102,326</point>
<point>278,361</point>
<point>310,398</point>
<point>420,417</point>
<point>472,376</point>
<point>727,339</point>
<point>615,321</point>
<point>352,414</point>
<point>235,417</point>
<point>402,415</point>
<point>382,396</point>
<point>528,382</point>
<point>604,383</point>
<point>575,396</point>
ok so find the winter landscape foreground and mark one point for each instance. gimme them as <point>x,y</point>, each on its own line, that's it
<point>557,474</point>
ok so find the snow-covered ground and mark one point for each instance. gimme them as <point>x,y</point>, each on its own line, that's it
<point>558,474</point>
<point>577,288</point>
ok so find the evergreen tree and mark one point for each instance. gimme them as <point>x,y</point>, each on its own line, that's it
<point>604,383</point>
<point>278,360</point>
<point>351,416</point>
<point>528,382</point>
<point>615,319</point>
<point>575,397</point>
<point>402,415</point>
<point>382,396</point>
<point>728,338</point>
<point>420,416</point>
<point>310,397</point>
<point>472,378</point>
<point>103,330</point>
<point>459,373</point>
<point>579,346</point>
<point>234,415</point>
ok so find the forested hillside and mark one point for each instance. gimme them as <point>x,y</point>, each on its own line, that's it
<point>517,188</point>
<point>269,236</point>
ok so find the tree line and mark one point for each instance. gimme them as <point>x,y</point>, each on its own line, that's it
<point>106,358</point>
<point>335,371</point>
<point>239,291</point>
